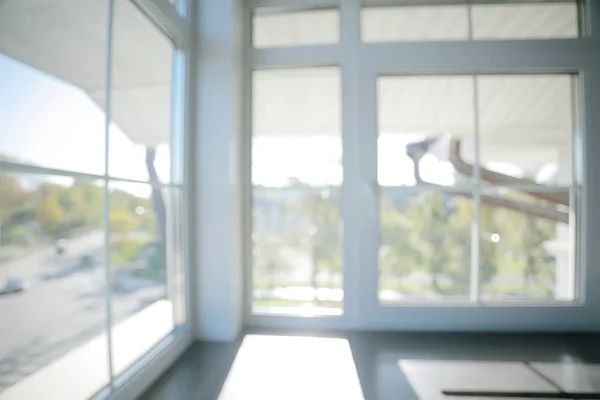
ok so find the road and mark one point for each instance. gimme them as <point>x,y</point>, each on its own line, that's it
<point>64,307</point>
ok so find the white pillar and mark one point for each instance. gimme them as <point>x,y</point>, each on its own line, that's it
<point>217,123</point>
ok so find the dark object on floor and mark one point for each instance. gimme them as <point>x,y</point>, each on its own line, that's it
<point>523,395</point>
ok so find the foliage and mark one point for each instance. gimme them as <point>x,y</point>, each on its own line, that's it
<point>44,211</point>
<point>122,221</point>
<point>426,241</point>
<point>268,258</point>
<point>49,213</point>
<point>17,235</point>
<point>11,195</point>
<point>124,251</point>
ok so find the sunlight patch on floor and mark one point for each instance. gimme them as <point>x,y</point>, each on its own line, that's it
<point>292,367</point>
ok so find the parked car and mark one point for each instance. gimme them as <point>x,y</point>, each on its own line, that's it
<point>14,285</point>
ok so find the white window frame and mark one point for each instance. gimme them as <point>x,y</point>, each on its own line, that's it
<point>361,64</point>
<point>169,20</point>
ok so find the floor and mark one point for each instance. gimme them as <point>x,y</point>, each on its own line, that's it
<point>362,366</point>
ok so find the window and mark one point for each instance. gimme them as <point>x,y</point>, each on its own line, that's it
<point>489,213</point>
<point>274,28</point>
<point>414,23</point>
<point>525,21</point>
<point>296,178</point>
<point>91,196</point>
<point>391,24</point>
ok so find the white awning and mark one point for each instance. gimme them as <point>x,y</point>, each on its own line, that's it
<point>68,39</point>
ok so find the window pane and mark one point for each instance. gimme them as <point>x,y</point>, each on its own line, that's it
<point>425,249</point>
<point>296,174</point>
<point>296,256</point>
<point>526,128</point>
<point>526,246</point>
<point>426,128</point>
<point>52,288</point>
<point>48,116</point>
<point>525,21</point>
<point>138,250</point>
<point>415,23</point>
<point>140,132</point>
<point>271,28</point>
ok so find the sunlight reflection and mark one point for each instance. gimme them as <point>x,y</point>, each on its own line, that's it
<point>292,367</point>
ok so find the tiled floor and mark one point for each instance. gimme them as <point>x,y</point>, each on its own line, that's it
<point>376,366</point>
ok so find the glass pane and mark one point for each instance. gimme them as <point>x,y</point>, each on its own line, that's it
<point>525,21</point>
<point>526,128</point>
<point>142,314</point>
<point>415,23</point>
<point>426,130</point>
<point>296,256</point>
<point>140,132</point>
<point>526,246</point>
<point>296,175</point>
<point>50,64</point>
<point>52,288</point>
<point>425,249</point>
<point>272,28</point>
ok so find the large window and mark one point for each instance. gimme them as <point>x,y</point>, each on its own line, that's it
<point>91,195</point>
<point>477,195</point>
<point>296,177</point>
<point>449,187</point>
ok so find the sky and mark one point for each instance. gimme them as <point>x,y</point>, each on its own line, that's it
<point>51,123</point>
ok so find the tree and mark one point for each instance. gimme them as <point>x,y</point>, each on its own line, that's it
<point>432,233</point>
<point>49,213</point>
<point>268,258</point>
<point>122,221</point>
<point>428,233</point>
<point>85,204</point>
<point>11,194</point>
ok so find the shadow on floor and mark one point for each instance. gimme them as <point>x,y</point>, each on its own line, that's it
<point>201,373</point>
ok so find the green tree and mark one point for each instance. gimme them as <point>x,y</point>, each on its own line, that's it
<point>49,213</point>
<point>122,221</point>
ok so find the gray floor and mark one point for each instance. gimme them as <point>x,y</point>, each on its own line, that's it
<point>205,372</point>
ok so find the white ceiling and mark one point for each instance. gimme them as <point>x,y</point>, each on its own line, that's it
<point>68,39</point>
<point>513,109</point>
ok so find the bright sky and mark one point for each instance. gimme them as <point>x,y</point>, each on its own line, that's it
<point>51,123</point>
<point>48,122</point>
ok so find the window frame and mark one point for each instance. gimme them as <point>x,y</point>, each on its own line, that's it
<point>361,64</point>
<point>167,19</point>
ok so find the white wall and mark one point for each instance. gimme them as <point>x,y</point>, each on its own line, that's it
<point>217,124</point>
